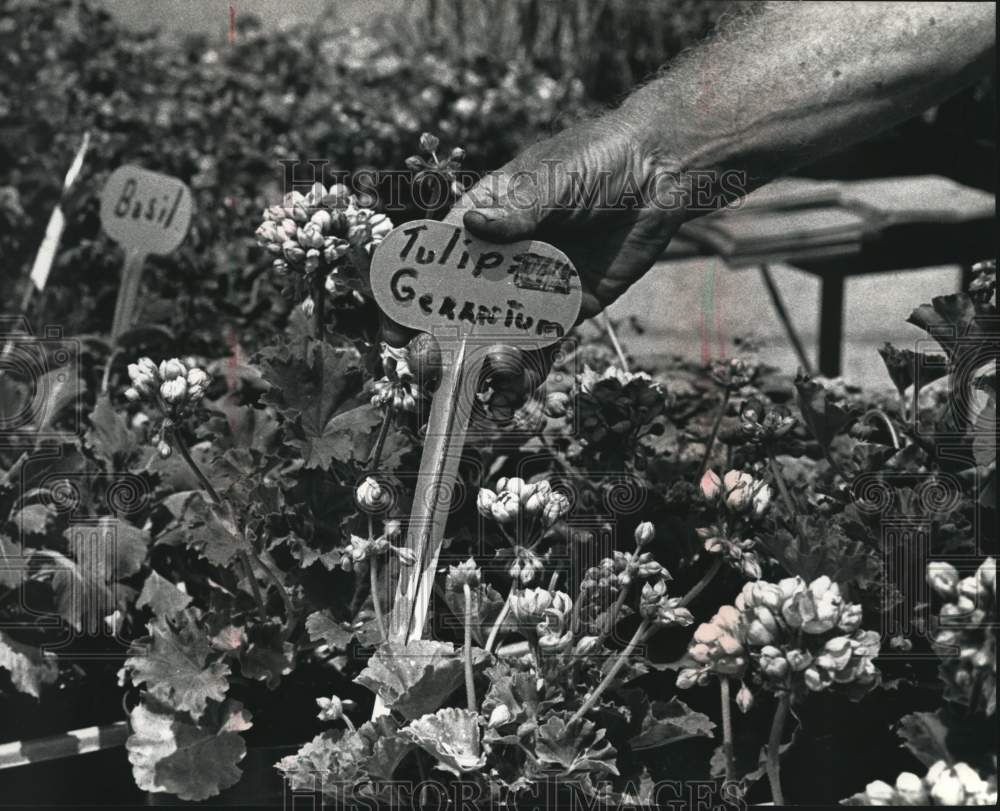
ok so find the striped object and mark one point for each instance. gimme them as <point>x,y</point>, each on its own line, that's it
<point>67,744</point>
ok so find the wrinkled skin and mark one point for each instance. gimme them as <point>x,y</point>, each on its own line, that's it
<point>588,191</point>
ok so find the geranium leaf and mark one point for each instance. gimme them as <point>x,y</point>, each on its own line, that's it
<point>267,657</point>
<point>414,679</point>
<point>668,721</point>
<point>335,761</point>
<point>452,736</point>
<point>574,749</point>
<point>30,668</point>
<point>162,596</point>
<point>109,435</point>
<point>168,753</point>
<point>176,663</point>
<point>926,735</point>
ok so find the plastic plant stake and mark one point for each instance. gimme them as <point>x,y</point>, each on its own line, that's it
<point>145,212</point>
<point>471,296</point>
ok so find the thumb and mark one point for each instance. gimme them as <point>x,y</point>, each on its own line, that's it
<point>499,208</point>
<point>501,224</point>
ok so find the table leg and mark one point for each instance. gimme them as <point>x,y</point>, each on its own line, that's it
<point>786,322</point>
<point>831,323</point>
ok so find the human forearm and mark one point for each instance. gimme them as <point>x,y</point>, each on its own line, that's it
<point>791,82</point>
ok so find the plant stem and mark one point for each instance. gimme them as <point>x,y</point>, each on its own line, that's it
<point>614,340</point>
<point>350,724</point>
<point>383,432</point>
<point>244,558</point>
<point>609,623</point>
<point>376,601</point>
<point>606,682</point>
<point>319,306</point>
<point>712,437</point>
<point>492,638</point>
<point>727,728</point>
<point>254,587</point>
<point>282,592</point>
<point>373,575</point>
<point>780,481</point>
<point>470,687</point>
<point>774,750</point>
<point>202,479</point>
<point>699,587</point>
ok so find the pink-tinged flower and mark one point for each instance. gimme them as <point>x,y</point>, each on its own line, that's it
<point>744,699</point>
<point>711,485</point>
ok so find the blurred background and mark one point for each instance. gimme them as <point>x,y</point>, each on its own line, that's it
<point>217,92</point>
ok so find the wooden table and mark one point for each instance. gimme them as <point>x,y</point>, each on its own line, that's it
<point>935,222</point>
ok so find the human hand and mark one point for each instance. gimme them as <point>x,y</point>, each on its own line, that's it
<point>596,193</point>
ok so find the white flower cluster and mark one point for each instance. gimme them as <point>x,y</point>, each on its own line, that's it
<point>789,623</point>
<point>514,497</point>
<point>942,785</point>
<point>173,384</point>
<point>966,635</point>
<point>398,387</point>
<point>737,491</point>
<point>317,229</point>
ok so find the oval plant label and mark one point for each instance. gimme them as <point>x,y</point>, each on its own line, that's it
<point>427,275</point>
<point>145,211</point>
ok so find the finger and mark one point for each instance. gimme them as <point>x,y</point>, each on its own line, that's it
<point>502,207</point>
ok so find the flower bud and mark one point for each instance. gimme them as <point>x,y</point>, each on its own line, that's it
<point>457,154</point>
<point>799,659</point>
<point>197,381</point>
<point>644,533</point>
<point>744,699</point>
<point>499,716</point>
<point>880,793</point>
<point>506,508</point>
<point>850,618</point>
<point>813,679</point>
<point>512,485</point>
<point>911,789</point>
<point>710,485</point>
<point>535,496</point>
<point>687,677</point>
<point>322,220</point>
<point>415,163</point>
<point>464,574</point>
<point>164,449</point>
<point>174,391</point>
<point>772,663</point>
<point>555,508</point>
<point>587,644</point>
<point>292,252</point>
<point>556,404</point>
<point>943,578</point>
<point>172,369</point>
<point>331,709</point>
<point>948,790</point>
<point>311,236</point>
<point>370,495</point>
<point>428,142</point>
